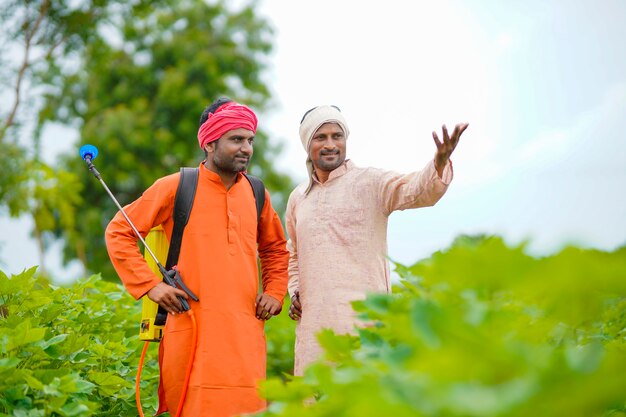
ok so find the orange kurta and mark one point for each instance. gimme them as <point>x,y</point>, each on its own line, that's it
<point>218,262</point>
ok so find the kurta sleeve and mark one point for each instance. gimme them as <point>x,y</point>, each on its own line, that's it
<point>294,271</point>
<point>272,252</point>
<point>417,189</point>
<point>151,209</point>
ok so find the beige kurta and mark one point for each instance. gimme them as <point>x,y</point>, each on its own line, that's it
<point>338,243</point>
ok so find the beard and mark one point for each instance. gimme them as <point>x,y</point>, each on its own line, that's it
<point>231,165</point>
<point>330,164</point>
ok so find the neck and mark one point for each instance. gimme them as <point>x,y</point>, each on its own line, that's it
<point>228,178</point>
<point>322,176</point>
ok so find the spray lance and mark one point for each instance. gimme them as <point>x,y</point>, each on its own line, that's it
<point>172,277</point>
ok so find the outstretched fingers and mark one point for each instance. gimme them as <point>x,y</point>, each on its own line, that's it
<point>437,141</point>
<point>458,131</point>
<point>455,135</point>
<point>446,137</point>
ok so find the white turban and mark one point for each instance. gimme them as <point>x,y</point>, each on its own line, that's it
<point>313,121</point>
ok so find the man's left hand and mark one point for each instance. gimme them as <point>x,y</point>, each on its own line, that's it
<point>295,309</point>
<point>445,149</point>
<point>266,307</point>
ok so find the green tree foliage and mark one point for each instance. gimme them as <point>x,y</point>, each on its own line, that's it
<point>133,78</point>
<point>13,176</point>
<point>39,39</point>
<point>480,329</point>
<point>139,97</point>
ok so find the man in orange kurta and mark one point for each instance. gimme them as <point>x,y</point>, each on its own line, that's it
<point>218,262</point>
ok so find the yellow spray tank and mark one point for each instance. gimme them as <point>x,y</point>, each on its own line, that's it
<point>156,240</point>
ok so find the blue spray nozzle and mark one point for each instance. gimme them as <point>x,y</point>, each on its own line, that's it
<point>88,150</point>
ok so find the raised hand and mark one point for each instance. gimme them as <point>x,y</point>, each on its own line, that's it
<point>445,148</point>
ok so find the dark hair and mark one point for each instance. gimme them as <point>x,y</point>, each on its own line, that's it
<point>212,107</point>
<point>310,110</point>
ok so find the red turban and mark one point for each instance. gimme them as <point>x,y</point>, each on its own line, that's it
<point>229,116</point>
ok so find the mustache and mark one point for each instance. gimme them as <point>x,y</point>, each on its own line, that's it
<point>335,152</point>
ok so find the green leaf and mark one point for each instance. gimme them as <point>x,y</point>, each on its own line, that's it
<point>33,382</point>
<point>422,316</point>
<point>76,408</point>
<point>108,383</point>
<point>53,341</point>
<point>584,358</point>
<point>7,364</point>
<point>24,334</point>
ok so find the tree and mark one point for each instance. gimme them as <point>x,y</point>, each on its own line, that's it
<point>40,38</point>
<point>138,97</point>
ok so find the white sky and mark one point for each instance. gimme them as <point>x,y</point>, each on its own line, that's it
<point>542,85</point>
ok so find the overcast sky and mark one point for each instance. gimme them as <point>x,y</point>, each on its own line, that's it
<point>542,85</point>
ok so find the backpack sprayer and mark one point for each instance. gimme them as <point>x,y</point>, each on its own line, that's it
<point>151,329</point>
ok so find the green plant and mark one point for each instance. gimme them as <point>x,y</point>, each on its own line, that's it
<point>481,329</point>
<point>74,351</point>
<point>69,351</point>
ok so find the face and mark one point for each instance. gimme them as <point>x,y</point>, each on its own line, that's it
<point>232,152</point>
<point>328,147</point>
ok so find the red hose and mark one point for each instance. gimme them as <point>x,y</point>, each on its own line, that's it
<point>183,395</point>
<point>194,341</point>
<point>137,382</point>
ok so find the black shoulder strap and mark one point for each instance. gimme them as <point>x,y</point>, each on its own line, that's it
<point>182,209</point>
<point>184,201</point>
<point>259,194</point>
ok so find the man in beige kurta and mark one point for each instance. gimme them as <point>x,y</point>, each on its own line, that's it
<point>337,226</point>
